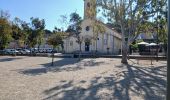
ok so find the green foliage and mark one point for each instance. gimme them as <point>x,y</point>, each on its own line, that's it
<point>5,31</point>
<point>75,18</point>
<point>26,31</point>
<point>134,46</point>
<point>55,39</point>
<point>37,32</point>
<point>97,28</point>
<point>162,30</point>
<point>75,27</point>
<point>130,15</point>
<point>138,41</point>
<point>17,33</point>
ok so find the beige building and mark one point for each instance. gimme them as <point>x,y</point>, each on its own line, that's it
<point>107,42</point>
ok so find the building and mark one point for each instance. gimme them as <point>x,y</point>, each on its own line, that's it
<point>107,42</point>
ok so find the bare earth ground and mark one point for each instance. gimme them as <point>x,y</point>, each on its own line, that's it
<point>32,78</point>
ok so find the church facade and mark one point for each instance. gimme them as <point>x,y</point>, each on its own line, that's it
<point>108,42</point>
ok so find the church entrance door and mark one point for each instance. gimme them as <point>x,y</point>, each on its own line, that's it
<point>87,46</point>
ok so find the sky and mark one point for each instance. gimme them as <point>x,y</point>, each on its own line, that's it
<point>50,10</point>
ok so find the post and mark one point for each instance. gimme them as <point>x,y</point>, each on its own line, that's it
<point>157,30</point>
<point>168,60</point>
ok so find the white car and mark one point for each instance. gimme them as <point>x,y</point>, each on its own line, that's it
<point>25,51</point>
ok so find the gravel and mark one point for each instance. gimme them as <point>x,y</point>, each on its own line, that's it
<point>33,78</point>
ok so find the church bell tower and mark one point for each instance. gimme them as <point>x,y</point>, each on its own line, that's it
<point>89,9</point>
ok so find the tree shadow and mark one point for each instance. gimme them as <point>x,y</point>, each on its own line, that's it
<point>65,64</point>
<point>37,71</point>
<point>143,83</point>
<point>9,59</point>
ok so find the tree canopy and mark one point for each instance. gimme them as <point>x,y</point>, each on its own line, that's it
<point>129,15</point>
<point>5,30</point>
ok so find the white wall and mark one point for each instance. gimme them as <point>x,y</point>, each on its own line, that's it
<point>113,40</point>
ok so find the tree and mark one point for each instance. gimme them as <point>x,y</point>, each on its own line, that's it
<point>129,14</point>
<point>17,34</point>
<point>75,28</point>
<point>55,40</point>
<point>26,30</point>
<point>64,21</point>
<point>37,30</point>
<point>5,30</point>
<point>97,29</point>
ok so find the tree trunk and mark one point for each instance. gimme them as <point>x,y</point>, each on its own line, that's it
<point>124,45</point>
<point>124,52</point>
<point>52,63</point>
<point>96,46</point>
<point>15,47</point>
<point>38,47</point>
<point>103,42</point>
<point>80,52</point>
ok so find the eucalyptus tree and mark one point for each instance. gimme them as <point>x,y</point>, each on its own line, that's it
<point>38,27</point>
<point>5,30</point>
<point>75,28</point>
<point>17,34</point>
<point>26,30</point>
<point>64,21</point>
<point>129,14</point>
<point>160,22</point>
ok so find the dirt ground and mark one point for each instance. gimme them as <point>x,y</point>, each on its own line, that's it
<point>33,78</point>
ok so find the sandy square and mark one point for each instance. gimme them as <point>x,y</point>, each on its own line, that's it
<point>32,78</point>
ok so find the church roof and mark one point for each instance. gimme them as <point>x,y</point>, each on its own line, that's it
<point>116,34</point>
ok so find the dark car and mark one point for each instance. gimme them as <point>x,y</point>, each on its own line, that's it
<point>2,52</point>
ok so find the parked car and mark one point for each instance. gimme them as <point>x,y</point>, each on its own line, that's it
<point>19,50</point>
<point>25,51</point>
<point>11,51</point>
<point>54,51</point>
<point>42,50</point>
<point>34,50</point>
<point>49,50</point>
<point>2,52</point>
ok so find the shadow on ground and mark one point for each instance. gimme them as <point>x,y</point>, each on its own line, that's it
<point>136,82</point>
<point>9,59</point>
<point>65,64</point>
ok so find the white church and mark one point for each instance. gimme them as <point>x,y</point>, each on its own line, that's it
<point>108,42</point>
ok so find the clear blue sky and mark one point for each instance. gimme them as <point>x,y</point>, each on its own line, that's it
<point>50,10</point>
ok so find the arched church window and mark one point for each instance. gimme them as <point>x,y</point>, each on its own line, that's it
<point>88,4</point>
<point>87,28</point>
<point>71,43</point>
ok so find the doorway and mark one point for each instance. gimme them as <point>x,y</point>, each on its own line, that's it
<point>87,46</point>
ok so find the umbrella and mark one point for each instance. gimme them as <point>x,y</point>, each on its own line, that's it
<point>152,44</point>
<point>143,43</point>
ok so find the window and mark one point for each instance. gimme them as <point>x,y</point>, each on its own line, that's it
<point>87,28</point>
<point>71,43</point>
<point>88,4</point>
<point>105,41</point>
<point>107,36</point>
